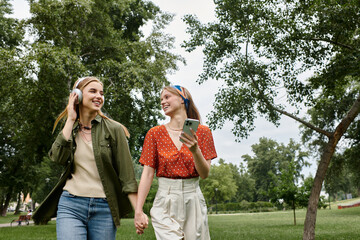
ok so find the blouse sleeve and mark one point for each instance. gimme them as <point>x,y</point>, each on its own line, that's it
<point>206,144</point>
<point>149,154</point>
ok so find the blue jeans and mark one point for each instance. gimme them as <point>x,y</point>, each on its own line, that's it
<point>82,218</point>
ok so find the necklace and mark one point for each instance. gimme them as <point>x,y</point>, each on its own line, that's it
<point>83,126</point>
<point>84,131</point>
<point>85,138</point>
<point>177,130</point>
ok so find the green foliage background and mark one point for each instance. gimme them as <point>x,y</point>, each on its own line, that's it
<point>41,58</point>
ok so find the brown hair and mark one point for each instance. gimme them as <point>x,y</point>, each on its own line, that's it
<point>81,83</point>
<point>192,111</point>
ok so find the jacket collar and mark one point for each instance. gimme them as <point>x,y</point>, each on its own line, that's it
<point>97,119</point>
<point>76,125</point>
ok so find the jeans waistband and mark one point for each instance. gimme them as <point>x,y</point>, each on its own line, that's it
<point>65,193</point>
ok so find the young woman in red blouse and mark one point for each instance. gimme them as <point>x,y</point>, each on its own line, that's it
<point>179,209</point>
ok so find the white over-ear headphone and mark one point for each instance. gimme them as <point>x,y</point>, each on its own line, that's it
<point>78,91</point>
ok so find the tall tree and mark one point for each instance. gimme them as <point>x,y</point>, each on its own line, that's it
<point>261,48</point>
<point>285,187</point>
<point>244,182</point>
<point>11,71</point>
<point>269,161</point>
<point>264,162</point>
<point>69,39</point>
<point>246,187</point>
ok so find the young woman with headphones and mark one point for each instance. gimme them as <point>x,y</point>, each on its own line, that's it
<point>179,209</point>
<point>98,186</point>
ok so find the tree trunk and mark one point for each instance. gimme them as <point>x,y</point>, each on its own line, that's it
<point>18,204</point>
<point>6,203</point>
<point>294,213</point>
<point>310,220</point>
<point>1,203</point>
<point>33,205</point>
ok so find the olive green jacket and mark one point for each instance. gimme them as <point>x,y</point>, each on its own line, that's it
<point>113,160</point>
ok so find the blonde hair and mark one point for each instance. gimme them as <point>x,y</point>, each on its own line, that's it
<point>81,83</point>
<point>192,111</point>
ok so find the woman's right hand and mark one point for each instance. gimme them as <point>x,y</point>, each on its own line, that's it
<point>141,222</point>
<point>71,116</point>
<point>71,107</point>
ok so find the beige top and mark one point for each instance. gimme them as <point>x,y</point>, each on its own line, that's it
<point>85,181</point>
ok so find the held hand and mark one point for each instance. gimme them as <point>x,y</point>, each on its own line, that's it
<point>191,141</point>
<point>71,107</point>
<point>140,227</point>
<point>146,220</point>
<point>141,222</point>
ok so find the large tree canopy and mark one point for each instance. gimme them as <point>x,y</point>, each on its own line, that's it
<point>263,49</point>
<point>103,39</point>
<point>69,39</point>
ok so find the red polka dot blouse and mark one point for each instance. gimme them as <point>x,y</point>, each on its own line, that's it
<point>160,153</point>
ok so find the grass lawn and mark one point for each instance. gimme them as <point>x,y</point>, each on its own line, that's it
<point>331,224</point>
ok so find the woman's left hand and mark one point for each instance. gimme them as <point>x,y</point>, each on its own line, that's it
<point>190,141</point>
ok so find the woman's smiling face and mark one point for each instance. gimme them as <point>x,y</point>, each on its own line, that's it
<point>170,102</point>
<point>93,96</point>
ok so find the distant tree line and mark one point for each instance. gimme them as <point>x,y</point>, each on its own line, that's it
<point>272,175</point>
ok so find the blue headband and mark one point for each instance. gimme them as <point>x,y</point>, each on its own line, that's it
<point>182,94</point>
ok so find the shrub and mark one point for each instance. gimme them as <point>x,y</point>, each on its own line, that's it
<point>241,207</point>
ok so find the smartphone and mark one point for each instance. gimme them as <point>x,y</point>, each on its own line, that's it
<point>190,123</point>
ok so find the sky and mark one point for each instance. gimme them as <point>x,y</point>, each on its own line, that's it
<point>204,95</point>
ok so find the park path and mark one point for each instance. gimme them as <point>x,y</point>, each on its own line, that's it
<point>15,224</point>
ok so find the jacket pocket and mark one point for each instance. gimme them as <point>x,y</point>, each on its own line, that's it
<point>105,149</point>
